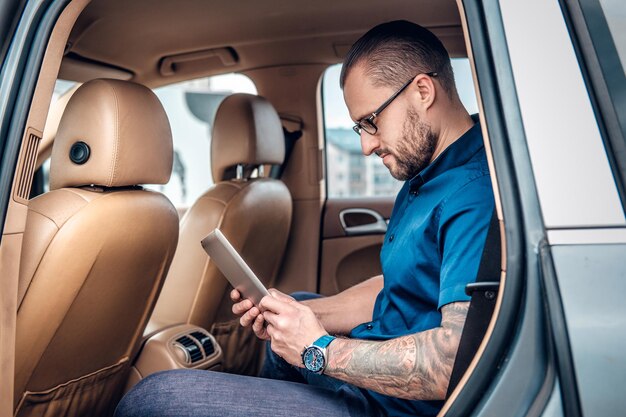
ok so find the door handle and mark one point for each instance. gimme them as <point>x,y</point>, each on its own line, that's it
<point>362,221</point>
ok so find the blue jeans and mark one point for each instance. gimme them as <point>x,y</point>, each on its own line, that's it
<point>283,390</point>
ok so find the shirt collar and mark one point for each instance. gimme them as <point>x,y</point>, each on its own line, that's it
<point>457,154</point>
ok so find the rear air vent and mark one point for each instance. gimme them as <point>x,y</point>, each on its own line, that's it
<point>195,354</point>
<point>27,166</point>
<point>205,341</point>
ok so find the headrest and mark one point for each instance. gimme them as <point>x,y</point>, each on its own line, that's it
<point>112,134</point>
<point>247,130</point>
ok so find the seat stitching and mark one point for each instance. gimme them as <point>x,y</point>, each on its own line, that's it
<point>213,199</point>
<point>30,279</point>
<point>44,215</point>
<point>116,142</point>
<point>70,190</point>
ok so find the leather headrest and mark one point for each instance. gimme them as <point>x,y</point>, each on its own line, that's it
<point>112,134</point>
<point>247,130</point>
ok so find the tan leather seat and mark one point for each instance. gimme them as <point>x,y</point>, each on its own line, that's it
<point>253,213</point>
<point>96,249</point>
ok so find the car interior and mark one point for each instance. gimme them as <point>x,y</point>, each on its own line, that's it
<point>113,284</point>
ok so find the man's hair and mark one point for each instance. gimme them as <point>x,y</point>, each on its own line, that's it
<point>394,52</point>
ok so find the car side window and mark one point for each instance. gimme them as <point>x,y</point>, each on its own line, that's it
<point>191,108</point>
<point>615,14</point>
<point>599,26</point>
<point>348,172</point>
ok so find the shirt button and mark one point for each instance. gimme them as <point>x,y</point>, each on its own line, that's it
<point>369,326</point>
<point>391,238</point>
<point>413,193</point>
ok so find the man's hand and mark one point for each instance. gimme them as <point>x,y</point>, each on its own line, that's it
<point>249,314</point>
<point>292,326</point>
<point>338,314</point>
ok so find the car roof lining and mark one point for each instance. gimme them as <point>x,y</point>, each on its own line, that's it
<point>115,38</point>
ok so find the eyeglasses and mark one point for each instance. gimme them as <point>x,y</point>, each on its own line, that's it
<point>367,123</point>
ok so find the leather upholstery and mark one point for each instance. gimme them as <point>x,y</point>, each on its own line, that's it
<point>254,214</point>
<point>126,128</point>
<point>93,262</point>
<point>247,130</point>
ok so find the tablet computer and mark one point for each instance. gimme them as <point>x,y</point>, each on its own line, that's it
<point>234,268</point>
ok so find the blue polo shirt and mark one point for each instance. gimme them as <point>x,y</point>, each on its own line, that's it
<point>432,249</point>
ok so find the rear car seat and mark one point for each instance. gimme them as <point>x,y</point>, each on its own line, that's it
<point>253,213</point>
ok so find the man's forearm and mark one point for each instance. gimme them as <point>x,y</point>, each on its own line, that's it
<point>412,367</point>
<point>340,313</point>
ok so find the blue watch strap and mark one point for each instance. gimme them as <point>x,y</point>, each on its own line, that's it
<point>324,341</point>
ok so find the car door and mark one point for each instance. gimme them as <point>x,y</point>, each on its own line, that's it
<point>554,128</point>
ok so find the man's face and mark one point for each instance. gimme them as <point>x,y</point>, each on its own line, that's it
<point>404,140</point>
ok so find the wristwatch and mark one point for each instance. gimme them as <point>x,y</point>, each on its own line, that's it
<point>314,356</point>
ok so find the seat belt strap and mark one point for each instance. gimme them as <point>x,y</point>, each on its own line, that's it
<point>290,141</point>
<point>484,294</point>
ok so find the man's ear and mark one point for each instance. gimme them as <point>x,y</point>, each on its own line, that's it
<point>424,86</point>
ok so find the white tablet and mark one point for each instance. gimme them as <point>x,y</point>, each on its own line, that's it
<point>234,268</point>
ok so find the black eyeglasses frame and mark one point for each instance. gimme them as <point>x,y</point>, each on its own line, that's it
<point>367,123</point>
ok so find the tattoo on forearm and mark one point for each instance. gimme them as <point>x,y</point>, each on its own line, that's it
<point>412,367</point>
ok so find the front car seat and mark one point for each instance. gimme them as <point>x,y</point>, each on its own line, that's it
<point>253,213</point>
<point>95,252</point>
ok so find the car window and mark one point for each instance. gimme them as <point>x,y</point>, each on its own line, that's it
<point>602,42</point>
<point>348,172</point>
<point>191,107</point>
<point>615,14</point>
<point>60,88</point>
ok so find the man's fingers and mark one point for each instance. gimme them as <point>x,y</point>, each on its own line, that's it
<point>248,318</point>
<point>280,295</point>
<point>235,295</point>
<point>242,306</point>
<point>271,318</point>
<point>269,302</point>
<point>258,327</point>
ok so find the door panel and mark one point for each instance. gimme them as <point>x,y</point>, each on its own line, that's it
<point>353,233</point>
<point>591,280</point>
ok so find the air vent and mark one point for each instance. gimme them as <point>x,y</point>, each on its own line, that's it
<point>191,347</point>
<point>205,341</point>
<point>27,166</point>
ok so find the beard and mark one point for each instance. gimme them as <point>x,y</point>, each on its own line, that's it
<point>414,150</point>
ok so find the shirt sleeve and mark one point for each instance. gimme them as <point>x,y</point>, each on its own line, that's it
<point>463,225</point>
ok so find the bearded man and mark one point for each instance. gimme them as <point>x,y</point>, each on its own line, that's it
<point>386,346</point>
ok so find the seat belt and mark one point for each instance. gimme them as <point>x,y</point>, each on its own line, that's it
<point>484,293</point>
<point>290,142</point>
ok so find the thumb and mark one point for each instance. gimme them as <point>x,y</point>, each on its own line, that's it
<point>280,296</point>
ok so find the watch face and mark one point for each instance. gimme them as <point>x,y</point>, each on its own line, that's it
<point>313,359</point>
